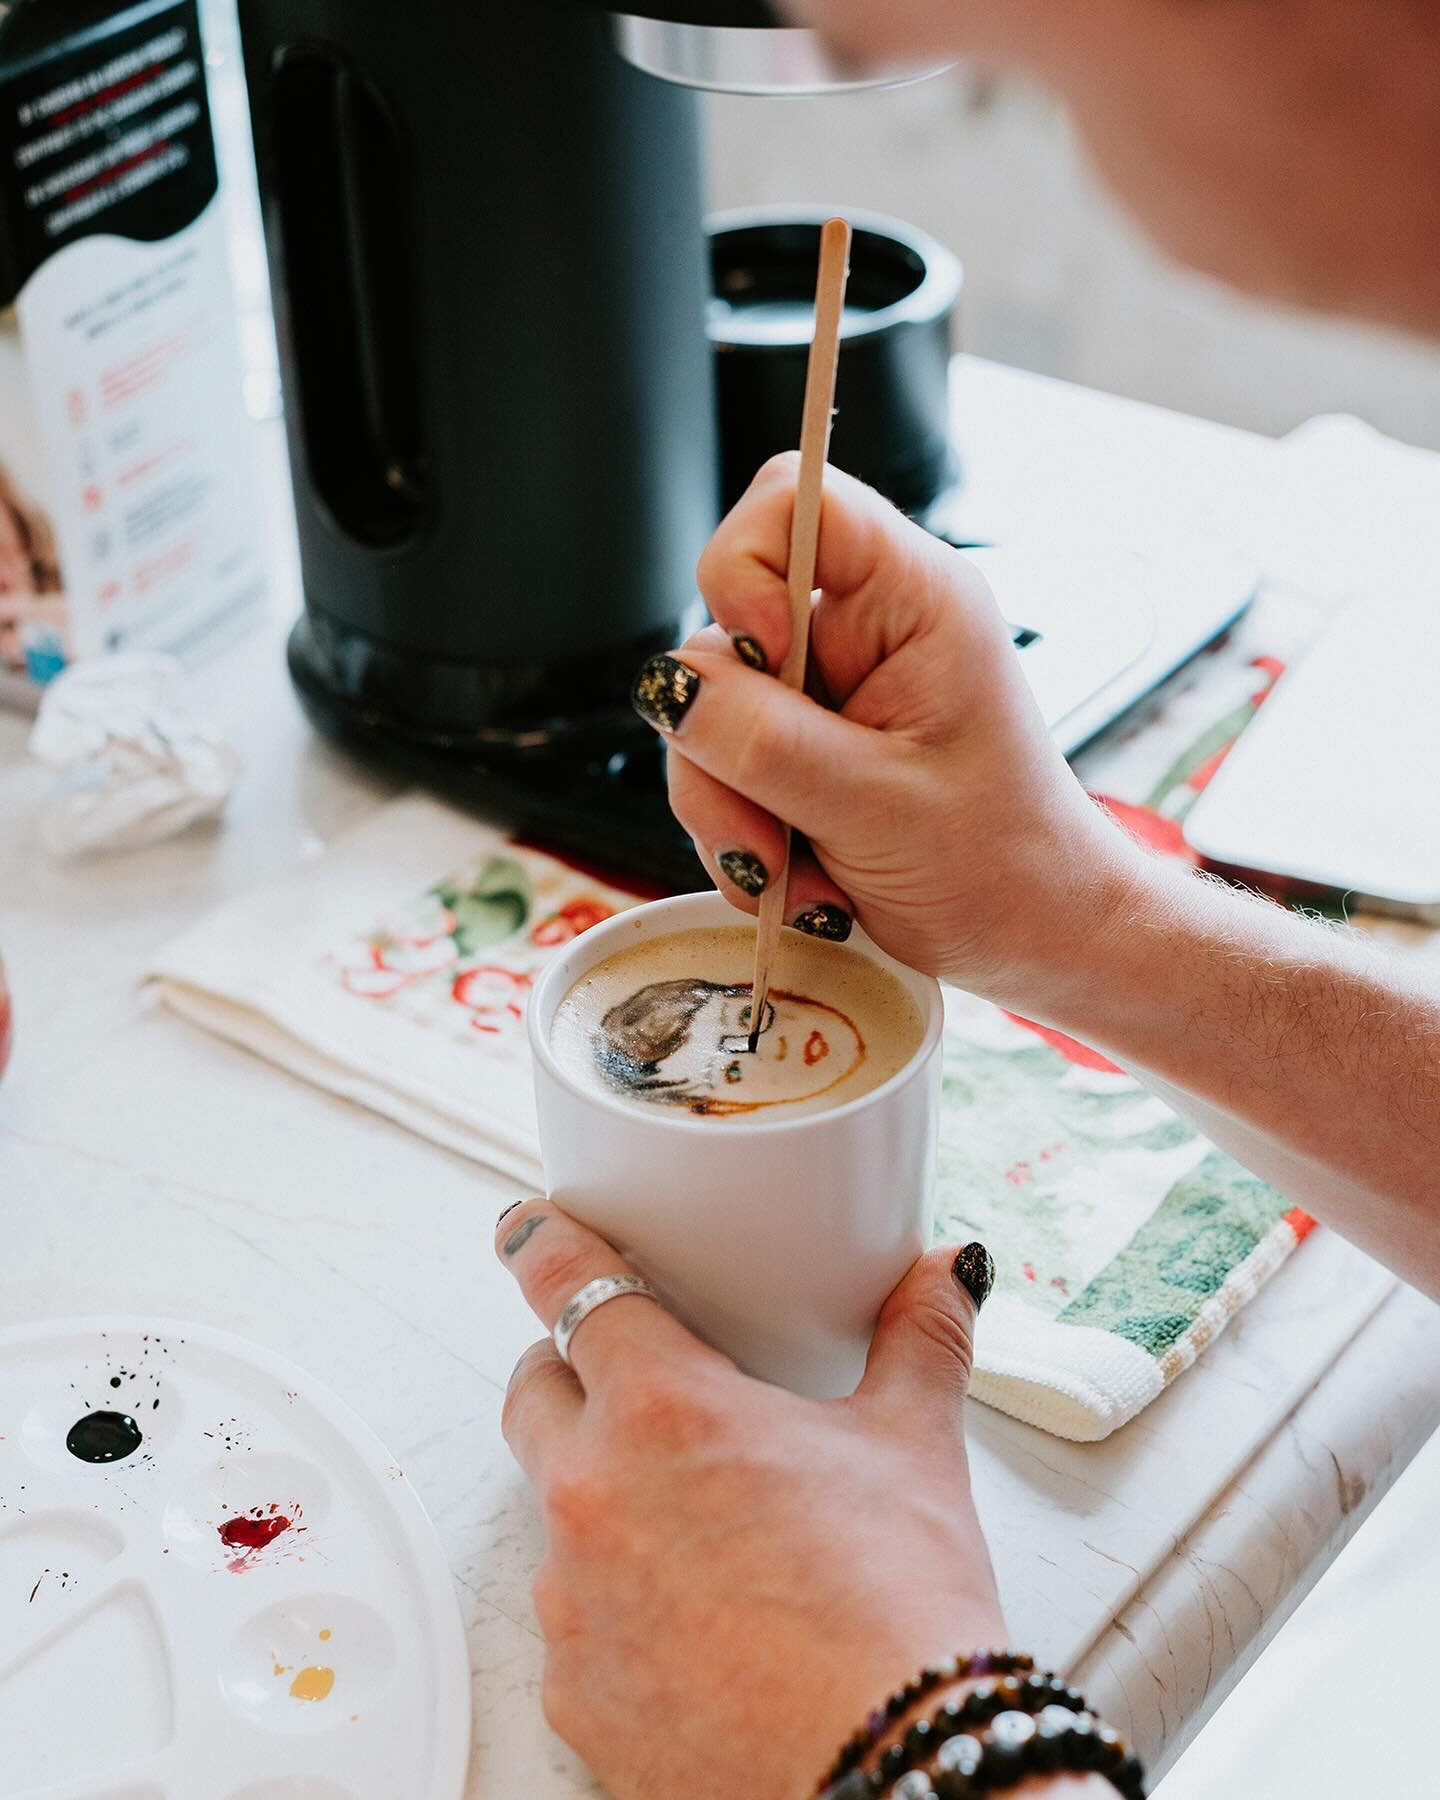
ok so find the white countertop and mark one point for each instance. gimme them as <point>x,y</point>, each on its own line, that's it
<point>145,1166</point>
<point>1275,1734</point>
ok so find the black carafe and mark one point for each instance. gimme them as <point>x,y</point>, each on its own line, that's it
<point>486,250</point>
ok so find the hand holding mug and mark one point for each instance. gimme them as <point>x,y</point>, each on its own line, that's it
<point>734,1575</point>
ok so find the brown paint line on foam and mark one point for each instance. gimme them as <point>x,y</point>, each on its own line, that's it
<point>725,1108</point>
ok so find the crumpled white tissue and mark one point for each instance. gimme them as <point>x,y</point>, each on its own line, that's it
<point>138,766</point>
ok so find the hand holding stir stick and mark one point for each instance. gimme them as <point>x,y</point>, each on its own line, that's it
<point>804,544</point>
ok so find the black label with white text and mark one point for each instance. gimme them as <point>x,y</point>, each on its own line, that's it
<point>109,134</point>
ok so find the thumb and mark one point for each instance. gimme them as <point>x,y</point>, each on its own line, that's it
<point>922,1350</point>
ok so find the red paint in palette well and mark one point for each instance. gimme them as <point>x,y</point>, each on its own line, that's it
<point>252,1534</point>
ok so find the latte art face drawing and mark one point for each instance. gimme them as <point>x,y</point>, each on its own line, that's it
<point>687,1043</point>
<point>666,1024</point>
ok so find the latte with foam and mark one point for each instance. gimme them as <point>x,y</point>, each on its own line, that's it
<point>665,1025</point>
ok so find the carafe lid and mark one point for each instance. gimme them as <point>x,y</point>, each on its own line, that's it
<point>739,47</point>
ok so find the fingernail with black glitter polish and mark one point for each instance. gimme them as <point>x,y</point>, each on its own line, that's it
<point>824,921</point>
<point>747,872</point>
<point>974,1269</point>
<point>749,651</point>
<point>507,1212</point>
<point>664,692</point>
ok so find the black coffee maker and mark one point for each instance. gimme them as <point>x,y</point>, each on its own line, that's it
<point>488,261</point>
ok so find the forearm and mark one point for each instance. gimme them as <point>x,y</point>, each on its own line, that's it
<point>1310,1053</point>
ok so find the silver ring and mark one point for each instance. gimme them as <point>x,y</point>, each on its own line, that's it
<point>595,1293</point>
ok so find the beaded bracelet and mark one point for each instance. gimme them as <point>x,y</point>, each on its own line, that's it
<point>941,1674</point>
<point>969,1759</point>
<point>1017,1746</point>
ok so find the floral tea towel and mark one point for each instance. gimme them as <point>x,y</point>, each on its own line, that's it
<point>369,974</point>
<point>1123,1239</point>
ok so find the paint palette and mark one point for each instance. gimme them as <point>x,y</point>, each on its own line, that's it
<point>215,1583</point>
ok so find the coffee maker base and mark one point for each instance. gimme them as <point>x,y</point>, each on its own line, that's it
<point>592,790</point>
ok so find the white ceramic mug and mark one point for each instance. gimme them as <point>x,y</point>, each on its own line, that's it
<point>776,1240</point>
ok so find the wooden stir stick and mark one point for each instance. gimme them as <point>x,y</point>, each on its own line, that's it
<point>804,543</point>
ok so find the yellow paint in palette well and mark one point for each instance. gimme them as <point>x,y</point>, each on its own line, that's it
<point>325,1633</point>
<point>312,1684</point>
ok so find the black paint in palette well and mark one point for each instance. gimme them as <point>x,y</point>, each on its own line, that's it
<point>103,1437</point>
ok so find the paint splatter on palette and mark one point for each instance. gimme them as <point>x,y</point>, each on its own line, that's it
<point>208,1561</point>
